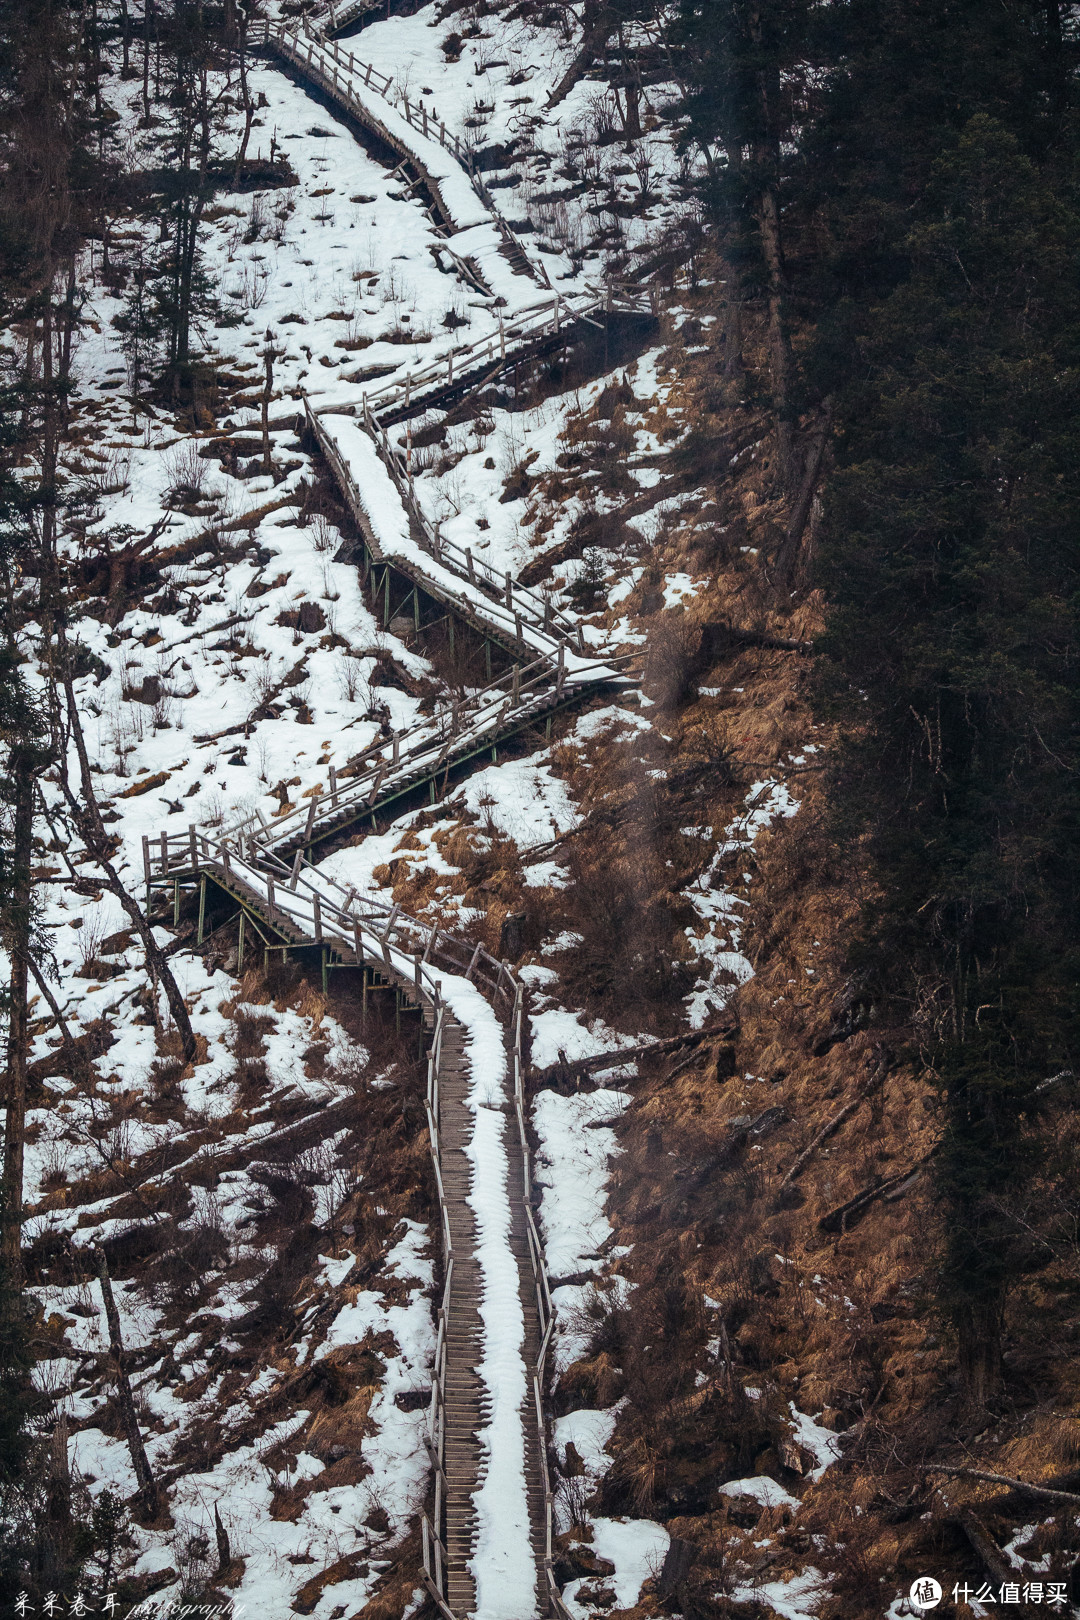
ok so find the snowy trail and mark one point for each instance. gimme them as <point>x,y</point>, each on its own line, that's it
<point>486,1554</point>
<point>487,1548</point>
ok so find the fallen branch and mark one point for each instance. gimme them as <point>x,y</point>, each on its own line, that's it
<point>1054,1080</point>
<point>717,639</point>
<point>837,1219</point>
<point>1043,1492</point>
<point>836,1121</point>
<point>567,1067</point>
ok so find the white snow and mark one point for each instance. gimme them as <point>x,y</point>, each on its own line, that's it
<point>822,1442</point>
<point>576,1147</point>
<point>588,1432</point>
<point>762,1489</point>
<point>636,1547</point>
<point>556,1030</point>
<point>794,1599</point>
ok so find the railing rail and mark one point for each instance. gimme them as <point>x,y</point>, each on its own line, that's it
<point>530,606</point>
<point>425,748</point>
<point>546,318</point>
<point>426,122</point>
<point>337,75</point>
<point>293,899</point>
<point>545,1310</point>
<point>298,899</point>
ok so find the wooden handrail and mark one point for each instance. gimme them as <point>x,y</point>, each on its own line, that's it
<point>300,901</point>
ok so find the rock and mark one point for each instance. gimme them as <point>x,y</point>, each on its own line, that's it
<point>512,936</point>
<point>677,1561</point>
<point>573,1466</point>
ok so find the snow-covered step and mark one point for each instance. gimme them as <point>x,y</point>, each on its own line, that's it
<point>426,752</point>
<point>373,480</point>
<point>487,1474</point>
<point>424,125</point>
<point>343,16</point>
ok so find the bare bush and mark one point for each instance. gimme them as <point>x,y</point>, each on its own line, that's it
<point>669,660</point>
<point>324,536</point>
<point>350,678</point>
<point>186,472</point>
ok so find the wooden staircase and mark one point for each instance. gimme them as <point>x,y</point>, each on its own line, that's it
<point>464,1395</point>
<point>497,607</point>
<point>298,908</point>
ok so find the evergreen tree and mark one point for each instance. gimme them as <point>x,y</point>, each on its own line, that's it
<point>953,565</point>
<point>918,160</point>
<point>740,62</point>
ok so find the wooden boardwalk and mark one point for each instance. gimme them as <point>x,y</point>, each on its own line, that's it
<point>466,1408</point>
<point>296,908</point>
<point>290,905</point>
<point>497,607</point>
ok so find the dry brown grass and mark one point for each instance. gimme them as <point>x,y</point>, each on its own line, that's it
<point>842,1322</point>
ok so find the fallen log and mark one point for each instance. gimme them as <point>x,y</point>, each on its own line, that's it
<point>567,1068</point>
<point>990,1554</point>
<point>836,1121</point>
<point>837,1219</point>
<point>1042,1492</point>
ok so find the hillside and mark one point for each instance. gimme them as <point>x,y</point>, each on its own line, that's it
<point>538,729</point>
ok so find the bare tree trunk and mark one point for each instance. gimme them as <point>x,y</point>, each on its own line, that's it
<point>632,116</point>
<point>268,391</point>
<point>86,813</point>
<point>139,1460</point>
<point>146,61</point>
<point>18,945</point>
<point>978,1329</point>
<point>125,17</point>
<point>221,1536</point>
<point>597,22</point>
<point>245,98</point>
<point>787,557</point>
<point>59,1497</point>
<point>733,328</point>
<point>781,359</point>
<point>53,1005</point>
